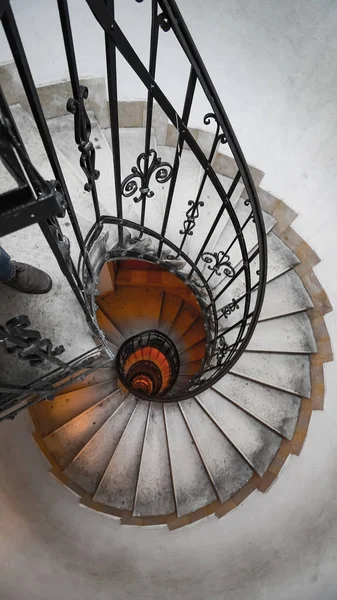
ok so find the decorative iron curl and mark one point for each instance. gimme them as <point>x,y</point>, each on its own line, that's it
<point>216,261</point>
<point>82,130</point>
<point>219,137</point>
<point>191,215</point>
<point>164,22</point>
<point>221,351</point>
<point>144,170</point>
<point>17,337</point>
<point>229,308</point>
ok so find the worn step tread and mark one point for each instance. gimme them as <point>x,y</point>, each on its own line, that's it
<point>285,295</point>
<point>118,485</point>
<point>194,353</point>
<point>287,372</point>
<point>53,414</point>
<point>67,441</point>
<point>88,467</point>
<point>252,439</point>
<point>184,319</point>
<point>169,310</point>
<point>290,334</point>
<point>132,310</point>
<point>192,486</point>
<point>226,467</point>
<point>154,493</point>
<point>112,333</point>
<point>193,334</point>
<point>277,409</point>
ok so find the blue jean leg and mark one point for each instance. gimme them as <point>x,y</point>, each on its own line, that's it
<point>7,268</point>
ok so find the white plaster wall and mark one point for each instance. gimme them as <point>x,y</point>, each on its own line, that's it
<point>274,65</point>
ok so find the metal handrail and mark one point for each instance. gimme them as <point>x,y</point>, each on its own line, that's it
<point>224,344</point>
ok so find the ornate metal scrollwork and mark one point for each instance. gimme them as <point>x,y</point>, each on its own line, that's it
<point>82,128</point>
<point>221,351</point>
<point>218,260</point>
<point>28,342</point>
<point>191,215</point>
<point>147,165</point>
<point>229,308</point>
<point>219,137</point>
<point>164,22</point>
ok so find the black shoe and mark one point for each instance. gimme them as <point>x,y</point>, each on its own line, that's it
<point>29,280</point>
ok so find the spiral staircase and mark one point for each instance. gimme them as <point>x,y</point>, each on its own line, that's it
<point>207,361</point>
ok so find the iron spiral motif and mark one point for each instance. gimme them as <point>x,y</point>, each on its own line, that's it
<point>148,164</point>
<point>17,337</point>
<point>82,127</point>
<point>191,215</point>
<point>229,308</point>
<point>222,350</point>
<point>219,137</point>
<point>217,261</point>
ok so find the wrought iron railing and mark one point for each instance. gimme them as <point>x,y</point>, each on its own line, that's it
<point>213,270</point>
<point>150,340</point>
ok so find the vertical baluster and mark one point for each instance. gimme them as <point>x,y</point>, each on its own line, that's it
<point>193,213</point>
<point>14,40</point>
<point>215,222</point>
<point>76,106</point>
<point>180,144</point>
<point>110,51</point>
<point>48,229</point>
<point>155,22</point>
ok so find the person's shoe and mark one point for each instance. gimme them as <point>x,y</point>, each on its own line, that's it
<point>29,280</point>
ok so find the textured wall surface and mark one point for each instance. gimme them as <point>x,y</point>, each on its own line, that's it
<point>274,65</point>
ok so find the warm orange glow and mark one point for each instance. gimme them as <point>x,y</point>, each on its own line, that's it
<point>154,355</point>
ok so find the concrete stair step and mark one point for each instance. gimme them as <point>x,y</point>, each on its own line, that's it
<point>111,332</point>
<point>67,441</point>
<point>194,353</point>
<point>284,295</point>
<point>102,375</point>
<point>117,487</point>
<point>277,409</point>
<point>277,371</point>
<point>226,468</point>
<point>65,407</point>
<point>255,442</point>
<point>169,310</point>
<point>190,368</point>
<point>290,334</point>
<point>132,310</point>
<point>183,321</point>
<point>88,467</point>
<point>192,486</point>
<point>154,493</point>
<point>194,334</point>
